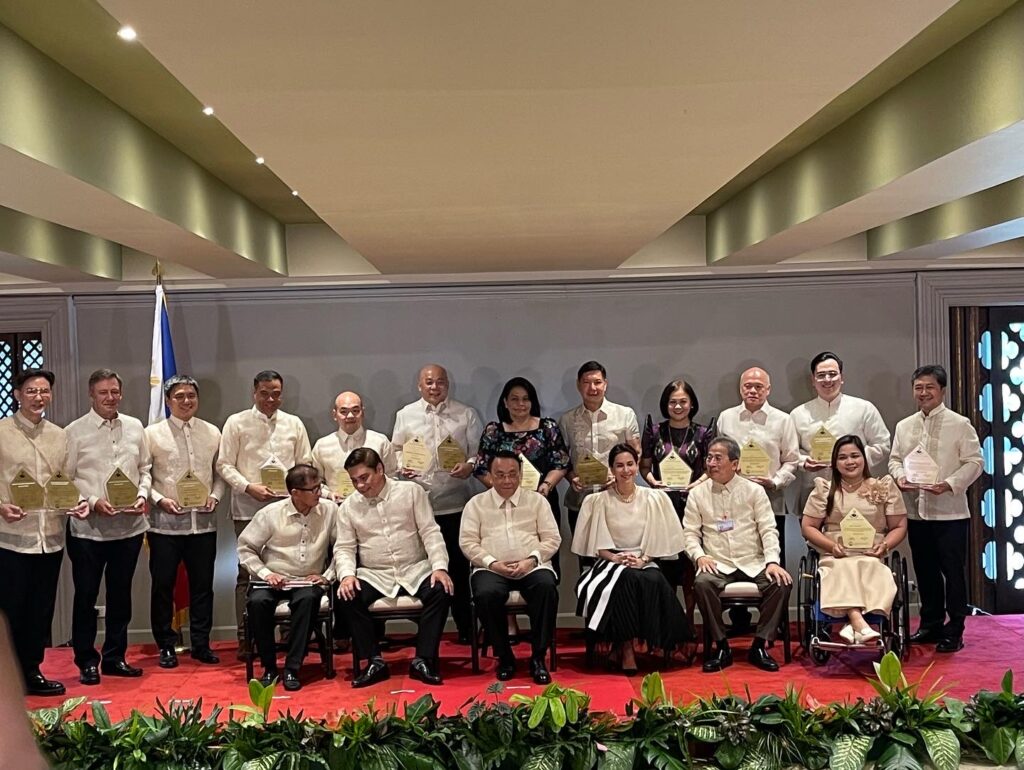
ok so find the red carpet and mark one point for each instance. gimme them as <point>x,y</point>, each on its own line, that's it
<point>993,644</point>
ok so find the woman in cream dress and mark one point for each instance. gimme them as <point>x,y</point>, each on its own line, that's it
<point>624,597</point>
<point>854,583</point>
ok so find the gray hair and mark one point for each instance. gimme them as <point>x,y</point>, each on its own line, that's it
<point>731,447</point>
<point>179,379</point>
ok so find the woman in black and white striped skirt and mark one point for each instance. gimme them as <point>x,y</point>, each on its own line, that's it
<point>624,597</point>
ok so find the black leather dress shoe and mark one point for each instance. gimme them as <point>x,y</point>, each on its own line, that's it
<point>721,659</point>
<point>121,668</point>
<point>506,670</point>
<point>539,671</point>
<point>759,657</point>
<point>37,684</point>
<point>168,658</point>
<point>376,671</point>
<point>204,655</point>
<point>950,644</point>
<point>269,676</point>
<point>291,681</point>
<point>926,636</point>
<point>89,675</point>
<point>420,669</point>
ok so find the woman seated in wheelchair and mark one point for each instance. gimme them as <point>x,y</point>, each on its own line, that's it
<point>855,581</point>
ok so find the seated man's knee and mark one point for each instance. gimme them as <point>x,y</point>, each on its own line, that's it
<point>705,583</point>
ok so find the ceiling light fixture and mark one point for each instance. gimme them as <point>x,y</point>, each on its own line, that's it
<point>260,161</point>
<point>295,193</point>
<point>207,111</point>
<point>127,33</point>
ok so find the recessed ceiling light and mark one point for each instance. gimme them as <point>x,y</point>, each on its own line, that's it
<point>127,33</point>
<point>260,161</point>
<point>207,111</point>
<point>295,193</point>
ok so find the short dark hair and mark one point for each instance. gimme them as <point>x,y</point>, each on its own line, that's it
<point>931,370</point>
<point>504,454</point>
<point>267,375</point>
<point>826,355</point>
<point>31,374</point>
<point>618,449</point>
<point>731,447</point>
<point>363,456</point>
<point>591,366</point>
<point>105,374</point>
<point>531,393</point>
<point>300,476</point>
<point>671,388</point>
<point>179,379</point>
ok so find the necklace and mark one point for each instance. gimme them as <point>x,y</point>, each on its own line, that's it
<point>847,487</point>
<point>624,498</point>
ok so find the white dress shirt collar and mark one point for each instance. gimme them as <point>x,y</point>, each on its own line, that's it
<point>350,441</point>
<point>99,422</point>
<point>26,425</point>
<point>260,416</point>
<point>179,424</point>
<point>498,501</point>
<point>829,406</point>
<point>937,410</point>
<point>759,415</point>
<point>430,408</point>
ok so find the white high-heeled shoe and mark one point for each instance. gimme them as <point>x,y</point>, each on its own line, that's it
<point>847,634</point>
<point>867,636</point>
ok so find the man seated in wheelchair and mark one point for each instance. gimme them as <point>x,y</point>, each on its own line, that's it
<point>854,521</point>
<point>286,547</point>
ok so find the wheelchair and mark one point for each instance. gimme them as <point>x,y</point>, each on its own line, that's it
<point>813,626</point>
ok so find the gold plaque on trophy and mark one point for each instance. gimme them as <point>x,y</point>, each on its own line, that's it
<point>26,492</point>
<point>591,471</point>
<point>415,455</point>
<point>192,493</point>
<point>822,443</point>
<point>920,468</point>
<point>530,475</point>
<point>858,534</point>
<point>450,454</point>
<point>754,461</point>
<point>122,492</point>
<point>61,492</point>
<point>272,477</point>
<point>675,471</point>
<point>343,486</point>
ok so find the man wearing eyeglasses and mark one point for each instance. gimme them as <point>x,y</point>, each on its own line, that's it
<point>840,415</point>
<point>32,451</point>
<point>286,548</point>
<point>182,525</point>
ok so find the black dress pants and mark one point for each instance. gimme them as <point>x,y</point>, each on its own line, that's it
<point>91,562</point>
<point>539,589</point>
<point>431,623</point>
<point>304,604</point>
<point>199,553</point>
<point>458,570</point>
<point>27,599</point>
<point>939,549</point>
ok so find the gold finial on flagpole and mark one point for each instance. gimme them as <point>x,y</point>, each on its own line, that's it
<point>158,271</point>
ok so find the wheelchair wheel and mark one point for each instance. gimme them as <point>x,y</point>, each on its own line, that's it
<point>818,655</point>
<point>802,629</point>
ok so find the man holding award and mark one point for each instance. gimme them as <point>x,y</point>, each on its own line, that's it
<point>590,430</point>
<point>769,448</point>
<point>35,495</point>
<point>935,457</point>
<point>256,449</point>
<point>832,414</point>
<point>182,525</point>
<point>330,452</point>
<point>109,460</point>
<point>436,439</point>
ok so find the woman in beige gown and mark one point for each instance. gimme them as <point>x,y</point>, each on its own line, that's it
<point>854,583</point>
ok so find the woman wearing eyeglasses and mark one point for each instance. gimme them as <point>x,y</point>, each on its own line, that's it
<point>840,415</point>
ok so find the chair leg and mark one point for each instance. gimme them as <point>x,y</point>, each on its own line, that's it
<point>474,651</point>
<point>247,631</point>
<point>554,653</point>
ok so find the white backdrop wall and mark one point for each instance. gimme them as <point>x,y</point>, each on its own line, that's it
<point>374,340</point>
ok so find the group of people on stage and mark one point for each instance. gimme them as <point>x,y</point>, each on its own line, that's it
<point>371,517</point>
